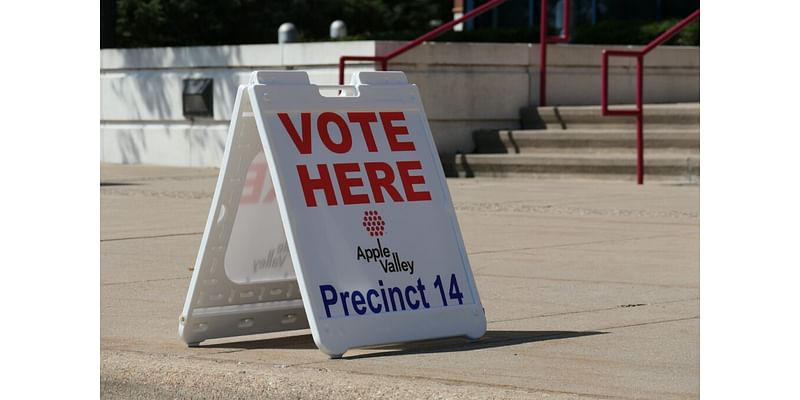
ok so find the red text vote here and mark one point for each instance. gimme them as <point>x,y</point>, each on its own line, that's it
<point>364,182</point>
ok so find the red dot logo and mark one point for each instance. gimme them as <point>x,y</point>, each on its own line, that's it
<point>373,223</point>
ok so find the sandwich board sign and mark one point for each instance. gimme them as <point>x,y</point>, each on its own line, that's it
<point>331,212</point>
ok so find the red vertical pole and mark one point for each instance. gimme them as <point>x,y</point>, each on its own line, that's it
<point>384,64</point>
<point>543,54</point>
<point>639,119</point>
<point>604,83</point>
<point>341,70</point>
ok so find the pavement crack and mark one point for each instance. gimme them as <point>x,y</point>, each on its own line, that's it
<point>461,382</point>
<point>651,323</point>
<point>138,179</point>
<point>226,351</point>
<point>560,210</point>
<point>577,244</point>
<point>144,281</point>
<point>540,278</point>
<point>588,311</point>
<point>209,357</point>
<point>151,236</point>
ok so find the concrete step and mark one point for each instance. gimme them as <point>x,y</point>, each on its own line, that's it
<point>579,142</point>
<point>583,140</point>
<point>618,166</point>
<point>569,117</point>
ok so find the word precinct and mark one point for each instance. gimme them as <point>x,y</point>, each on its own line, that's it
<point>383,299</point>
<point>356,182</point>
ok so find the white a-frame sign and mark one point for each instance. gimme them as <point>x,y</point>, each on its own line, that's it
<point>331,213</point>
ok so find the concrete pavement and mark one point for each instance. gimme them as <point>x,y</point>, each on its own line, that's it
<point>591,290</point>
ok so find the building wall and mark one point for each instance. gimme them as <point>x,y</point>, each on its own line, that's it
<point>464,87</point>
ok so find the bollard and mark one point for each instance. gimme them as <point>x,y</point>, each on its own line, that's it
<point>287,33</point>
<point>338,29</point>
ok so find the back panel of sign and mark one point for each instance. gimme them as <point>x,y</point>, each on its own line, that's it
<point>243,281</point>
<point>371,229</point>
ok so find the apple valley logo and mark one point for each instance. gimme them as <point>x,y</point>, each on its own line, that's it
<point>373,223</point>
<point>389,261</point>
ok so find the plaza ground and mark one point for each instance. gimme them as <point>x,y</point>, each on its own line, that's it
<point>591,290</point>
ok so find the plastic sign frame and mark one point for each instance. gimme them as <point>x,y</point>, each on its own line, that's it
<point>331,212</point>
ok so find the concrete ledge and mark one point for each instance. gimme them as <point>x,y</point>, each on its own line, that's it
<point>160,144</point>
<point>522,141</point>
<point>464,86</point>
<point>602,165</point>
<point>238,56</point>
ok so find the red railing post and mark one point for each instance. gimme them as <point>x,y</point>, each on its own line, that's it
<point>604,82</point>
<point>543,54</point>
<point>341,70</point>
<point>639,111</point>
<point>544,39</point>
<point>639,119</point>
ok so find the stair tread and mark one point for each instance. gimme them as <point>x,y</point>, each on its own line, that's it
<point>691,107</point>
<point>581,156</point>
<point>602,133</point>
<point>655,115</point>
<point>579,141</point>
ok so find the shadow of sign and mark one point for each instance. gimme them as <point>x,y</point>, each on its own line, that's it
<point>491,339</point>
<point>107,184</point>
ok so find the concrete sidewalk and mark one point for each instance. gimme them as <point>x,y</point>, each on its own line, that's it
<point>591,290</point>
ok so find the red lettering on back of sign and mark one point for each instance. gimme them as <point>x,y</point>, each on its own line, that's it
<point>254,183</point>
<point>270,196</point>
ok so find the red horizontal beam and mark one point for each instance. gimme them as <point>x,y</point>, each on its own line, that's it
<point>622,53</point>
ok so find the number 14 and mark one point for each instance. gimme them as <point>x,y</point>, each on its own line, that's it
<point>455,293</point>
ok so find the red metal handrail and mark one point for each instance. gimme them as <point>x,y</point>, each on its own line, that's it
<point>638,112</point>
<point>384,59</point>
<point>544,39</point>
